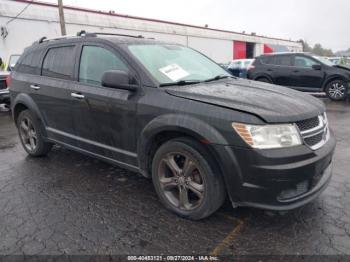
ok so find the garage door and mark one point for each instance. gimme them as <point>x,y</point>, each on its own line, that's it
<point>239,50</point>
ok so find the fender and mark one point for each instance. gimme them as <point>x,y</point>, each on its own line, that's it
<point>195,128</point>
<point>27,101</point>
<point>178,123</point>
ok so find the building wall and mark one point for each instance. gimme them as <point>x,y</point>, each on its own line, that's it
<point>42,20</point>
<point>217,49</point>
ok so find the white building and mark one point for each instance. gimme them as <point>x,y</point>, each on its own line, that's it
<point>22,22</point>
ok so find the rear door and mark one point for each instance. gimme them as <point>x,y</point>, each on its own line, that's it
<point>52,90</point>
<point>306,76</point>
<point>104,118</point>
<point>281,70</point>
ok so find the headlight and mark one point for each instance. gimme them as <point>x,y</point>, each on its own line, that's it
<point>268,136</point>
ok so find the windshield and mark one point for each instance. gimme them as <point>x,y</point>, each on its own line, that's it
<point>173,63</point>
<point>323,60</point>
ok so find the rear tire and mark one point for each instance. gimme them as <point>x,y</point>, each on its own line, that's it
<point>264,79</point>
<point>30,134</point>
<point>186,179</point>
<point>336,90</point>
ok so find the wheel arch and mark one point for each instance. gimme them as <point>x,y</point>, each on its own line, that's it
<point>167,127</point>
<point>259,76</point>
<point>24,102</point>
<point>332,78</point>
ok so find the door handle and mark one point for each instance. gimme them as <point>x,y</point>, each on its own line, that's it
<point>269,70</point>
<point>76,95</point>
<point>35,87</point>
<point>296,71</point>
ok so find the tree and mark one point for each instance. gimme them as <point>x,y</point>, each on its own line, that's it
<point>306,46</point>
<point>317,49</point>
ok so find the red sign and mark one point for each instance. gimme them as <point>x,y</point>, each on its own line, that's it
<point>267,49</point>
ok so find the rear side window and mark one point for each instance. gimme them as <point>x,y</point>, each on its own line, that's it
<point>95,61</point>
<point>29,62</point>
<point>279,60</point>
<point>59,62</point>
<point>267,60</point>
<point>283,60</point>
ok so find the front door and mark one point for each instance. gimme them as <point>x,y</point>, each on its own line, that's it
<point>104,118</point>
<point>307,77</point>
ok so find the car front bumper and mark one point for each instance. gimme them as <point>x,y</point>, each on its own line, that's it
<point>278,179</point>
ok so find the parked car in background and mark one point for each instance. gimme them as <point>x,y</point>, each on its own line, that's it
<point>335,60</point>
<point>304,72</point>
<point>4,79</point>
<point>239,67</point>
<point>342,61</point>
<point>224,65</point>
<point>4,91</point>
<point>175,116</point>
<point>12,62</point>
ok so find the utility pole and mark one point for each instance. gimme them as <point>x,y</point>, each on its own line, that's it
<point>62,23</point>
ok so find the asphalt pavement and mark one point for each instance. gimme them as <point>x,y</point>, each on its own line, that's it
<point>68,203</point>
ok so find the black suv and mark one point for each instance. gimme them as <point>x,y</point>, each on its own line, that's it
<point>173,115</point>
<point>304,72</point>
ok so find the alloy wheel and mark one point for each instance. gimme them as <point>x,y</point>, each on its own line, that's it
<point>337,90</point>
<point>28,134</point>
<point>181,181</point>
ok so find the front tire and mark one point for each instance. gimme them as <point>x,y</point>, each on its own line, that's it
<point>186,179</point>
<point>336,90</point>
<point>31,136</point>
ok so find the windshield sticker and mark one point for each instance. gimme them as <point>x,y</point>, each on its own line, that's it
<point>174,72</point>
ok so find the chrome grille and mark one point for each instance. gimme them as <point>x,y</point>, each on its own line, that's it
<point>313,140</point>
<point>314,131</point>
<point>308,123</point>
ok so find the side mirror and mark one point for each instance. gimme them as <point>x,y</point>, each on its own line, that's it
<point>317,67</point>
<point>118,79</point>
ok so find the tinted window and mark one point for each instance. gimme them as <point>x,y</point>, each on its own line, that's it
<point>59,62</point>
<point>302,61</point>
<point>266,60</point>
<point>29,62</point>
<point>284,60</point>
<point>97,60</point>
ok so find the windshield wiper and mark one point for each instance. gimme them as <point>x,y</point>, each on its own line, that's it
<point>218,77</point>
<point>181,83</point>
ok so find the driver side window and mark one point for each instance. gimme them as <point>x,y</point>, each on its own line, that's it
<point>95,61</point>
<point>302,61</point>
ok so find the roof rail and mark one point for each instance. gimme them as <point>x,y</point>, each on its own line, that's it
<point>45,39</point>
<point>99,33</point>
<point>60,37</point>
<point>42,39</point>
<point>83,33</point>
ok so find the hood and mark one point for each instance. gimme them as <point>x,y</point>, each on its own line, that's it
<point>274,104</point>
<point>342,67</point>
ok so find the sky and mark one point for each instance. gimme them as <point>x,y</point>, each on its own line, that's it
<point>316,21</point>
